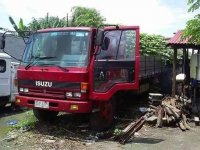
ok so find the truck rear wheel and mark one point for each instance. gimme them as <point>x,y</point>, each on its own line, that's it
<point>45,115</point>
<point>104,117</point>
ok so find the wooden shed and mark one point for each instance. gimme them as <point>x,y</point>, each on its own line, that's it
<point>179,43</point>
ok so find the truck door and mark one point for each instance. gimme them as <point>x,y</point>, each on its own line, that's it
<point>116,68</point>
<point>5,74</point>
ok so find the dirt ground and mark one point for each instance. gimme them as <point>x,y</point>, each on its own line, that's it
<point>70,133</point>
<point>61,135</point>
<point>166,139</point>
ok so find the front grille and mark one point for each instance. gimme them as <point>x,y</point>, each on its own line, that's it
<point>48,89</point>
<point>46,93</point>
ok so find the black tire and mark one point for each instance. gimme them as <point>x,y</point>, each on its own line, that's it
<point>4,101</point>
<point>104,118</point>
<point>45,115</point>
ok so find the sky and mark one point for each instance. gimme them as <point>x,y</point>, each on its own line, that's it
<point>162,17</point>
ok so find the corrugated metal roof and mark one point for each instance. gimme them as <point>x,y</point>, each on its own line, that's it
<point>177,39</point>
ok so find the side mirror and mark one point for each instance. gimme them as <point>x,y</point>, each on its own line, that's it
<point>2,42</point>
<point>99,37</point>
<point>105,44</point>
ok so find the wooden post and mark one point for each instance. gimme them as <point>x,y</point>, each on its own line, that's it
<point>184,61</point>
<point>174,73</point>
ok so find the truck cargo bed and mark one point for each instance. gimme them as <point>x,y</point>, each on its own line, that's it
<point>149,66</point>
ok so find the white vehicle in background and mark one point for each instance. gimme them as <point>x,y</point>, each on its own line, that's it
<point>8,89</point>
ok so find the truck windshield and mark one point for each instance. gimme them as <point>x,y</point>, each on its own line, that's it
<point>66,49</point>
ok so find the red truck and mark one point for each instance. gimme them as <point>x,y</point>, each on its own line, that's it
<point>81,70</point>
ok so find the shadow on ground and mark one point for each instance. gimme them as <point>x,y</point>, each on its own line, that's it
<point>10,110</point>
<point>146,140</point>
<point>76,126</point>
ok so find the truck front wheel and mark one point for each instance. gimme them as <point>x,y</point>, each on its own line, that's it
<point>4,101</point>
<point>104,117</point>
<point>45,115</point>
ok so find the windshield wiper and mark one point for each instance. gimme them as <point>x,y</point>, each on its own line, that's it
<point>62,68</point>
<point>36,60</point>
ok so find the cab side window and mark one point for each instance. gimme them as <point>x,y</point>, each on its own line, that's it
<point>2,66</point>
<point>111,52</point>
<point>127,45</point>
<point>121,46</point>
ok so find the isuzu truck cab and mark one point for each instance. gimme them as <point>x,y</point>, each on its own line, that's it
<point>81,70</point>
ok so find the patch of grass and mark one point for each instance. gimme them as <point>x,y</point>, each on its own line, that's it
<point>117,131</point>
<point>28,122</point>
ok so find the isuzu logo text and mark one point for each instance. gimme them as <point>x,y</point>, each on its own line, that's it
<point>43,83</point>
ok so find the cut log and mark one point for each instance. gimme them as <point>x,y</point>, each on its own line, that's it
<point>181,126</point>
<point>173,102</point>
<point>185,122</point>
<point>154,107</point>
<point>152,119</point>
<point>160,116</point>
<point>128,127</point>
<point>174,108</point>
<point>125,138</point>
<point>175,114</point>
<point>169,101</point>
<point>172,118</point>
<point>168,111</point>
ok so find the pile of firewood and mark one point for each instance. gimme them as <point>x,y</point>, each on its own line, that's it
<point>171,111</point>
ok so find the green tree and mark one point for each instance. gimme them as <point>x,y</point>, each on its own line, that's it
<point>192,30</point>
<point>193,5</point>
<point>21,25</point>
<point>155,45</point>
<point>47,22</point>
<point>82,16</point>
<point>34,25</point>
<point>20,28</point>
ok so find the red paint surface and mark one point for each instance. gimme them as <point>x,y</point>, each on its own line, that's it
<point>62,105</point>
<point>53,74</point>
<point>121,86</point>
<point>84,74</point>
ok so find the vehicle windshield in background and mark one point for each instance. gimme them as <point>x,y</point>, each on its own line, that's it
<point>66,49</point>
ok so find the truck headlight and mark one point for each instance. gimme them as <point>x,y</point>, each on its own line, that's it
<point>21,89</point>
<point>77,94</point>
<point>26,90</point>
<point>68,94</point>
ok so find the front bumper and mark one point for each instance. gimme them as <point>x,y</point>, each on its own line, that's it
<point>56,105</point>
